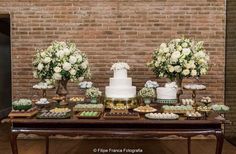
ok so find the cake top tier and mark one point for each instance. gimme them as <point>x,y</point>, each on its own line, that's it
<point>120,66</point>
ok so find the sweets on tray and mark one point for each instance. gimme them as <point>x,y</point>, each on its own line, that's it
<point>220,108</point>
<point>42,101</point>
<point>145,109</point>
<point>88,114</point>
<point>180,109</point>
<point>193,115</point>
<point>204,108</point>
<point>195,86</point>
<point>162,116</point>
<point>24,111</point>
<point>121,115</point>
<point>187,101</point>
<point>53,115</point>
<point>206,100</point>
<point>58,98</point>
<point>77,99</point>
<point>60,110</point>
<point>43,85</point>
<point>89,107</point>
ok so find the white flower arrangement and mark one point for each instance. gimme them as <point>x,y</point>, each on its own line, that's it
<point>61,61</point>
<point>146,92</point>
<point>180,58</point>
<point>119,66</point>
<point>85,85</point>
<point>171,85</point>
<point>151,84</point>
<point>93,92</point>
<point>22,102</point>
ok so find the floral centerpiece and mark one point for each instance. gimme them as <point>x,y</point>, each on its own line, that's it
<point>151,84</point>
<point>61,62</point>
<point>93,93</point>
<point>178,59</point>
<point>85,84</point>
<point>147,94</point>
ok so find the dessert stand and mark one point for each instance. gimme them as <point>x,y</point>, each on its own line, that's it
<point>194,92</point>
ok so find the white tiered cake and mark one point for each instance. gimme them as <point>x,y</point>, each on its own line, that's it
<point>120,85</point>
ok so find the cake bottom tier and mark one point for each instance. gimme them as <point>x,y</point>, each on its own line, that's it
<point>120,92</point>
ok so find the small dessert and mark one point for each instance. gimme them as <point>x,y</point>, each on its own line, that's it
<point>162,116</point>
<point>187,101</point>
<point>145,109</point>
<point>206,100</point>
<point>42,101</point>
<point>22,104</point>
<point>58,98</point>
<point>195,86</point>
<point>179,109</point>
<point>220,108</point>
<point>60,110</point>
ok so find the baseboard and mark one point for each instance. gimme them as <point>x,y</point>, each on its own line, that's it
<point>4,113</point>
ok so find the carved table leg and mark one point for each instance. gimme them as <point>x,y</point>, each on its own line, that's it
<point>13,140</point>
<point>47,145</point>
<point>189,145</point>
<point>220,142</point>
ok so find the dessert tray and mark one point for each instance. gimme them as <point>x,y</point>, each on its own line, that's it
<point>88,115</point>
<point>145,109</point>
<point>89,107</point>
<point>53,115</point>
<point>187,102</point>
<point>194,115</point>
<point>21,113</point>
<point>42,101</point>
<point>178,109</point>
<point>162,116</point>
<point>121,116</point>
<point>194,87</point>
<point>77,99</point>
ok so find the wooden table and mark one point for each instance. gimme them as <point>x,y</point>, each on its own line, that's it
<point>119,128</point>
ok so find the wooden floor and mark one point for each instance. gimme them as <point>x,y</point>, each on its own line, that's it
<point>86,146</point>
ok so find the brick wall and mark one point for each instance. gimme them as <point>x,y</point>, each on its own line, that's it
<point>230,84</point>
<point>110,30</point>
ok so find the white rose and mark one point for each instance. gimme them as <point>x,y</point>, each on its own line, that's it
<point>79,58</point>
<point>186,72</point>
<point>66,51</point>
<point>72,71</point>
<point>184,45</point>
<point>47,60</point>
<point>157,63</point>
<point>193,73</point>
<point>175,55</point>
<point>188,65</point>
<point>66,66</point>
<point>72,60</point>
<point>201,54</point>
<point>202,61</point>
<point>178,68</point>
<point>163,45</point>
<point>57,76</point>
<point>43,54</point>
<point>186,51</point>
<point>203,71</point>
<point>84,65</point>
<point>171,68</point>
<point>179,48</point>
<point>57,69</point>
<point>60,54</point>
<point>40,66</point>
<point>166,50</point>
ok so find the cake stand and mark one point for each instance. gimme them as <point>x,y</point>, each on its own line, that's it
<point>194,90</point>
